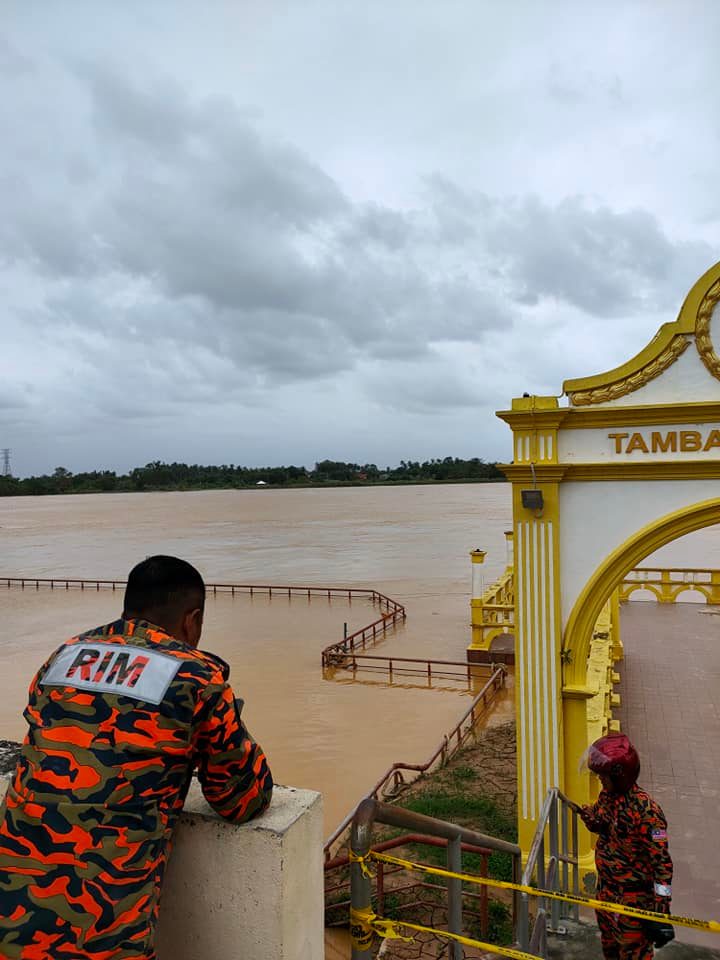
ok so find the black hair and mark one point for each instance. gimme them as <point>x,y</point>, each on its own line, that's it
<point>162,589</point>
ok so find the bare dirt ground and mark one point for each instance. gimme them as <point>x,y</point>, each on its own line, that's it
<point>491,758</point>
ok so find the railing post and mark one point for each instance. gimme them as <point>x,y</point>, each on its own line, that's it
<point>565,851</point>
<point>553,839</point>
<point>380,888</point>
<point>484,910</point>
<point>360,887</point>
<point>576,864</point>
<point>522,916</point>
<point>454,888</point>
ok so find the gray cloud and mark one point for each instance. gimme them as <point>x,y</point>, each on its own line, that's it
<point>243,245</point>
<point>278,232</point>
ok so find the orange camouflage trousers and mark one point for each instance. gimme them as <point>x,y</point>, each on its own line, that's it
<point>622,938</point>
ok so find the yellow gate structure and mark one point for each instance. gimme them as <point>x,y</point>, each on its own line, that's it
<point>628,462</point>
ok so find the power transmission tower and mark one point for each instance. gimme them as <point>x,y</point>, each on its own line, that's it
<point>5,452</point>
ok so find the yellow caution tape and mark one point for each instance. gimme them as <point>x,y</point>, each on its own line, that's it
<point>711,926</point>
<point>361,927</point>
<point>364,922</point>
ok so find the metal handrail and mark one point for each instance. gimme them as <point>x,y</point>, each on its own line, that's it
<point>444,750</point>
<point>83,583</point>
<point>341,648</point>
<point>410,666</point>
<point>383,872</point>
<point>553,853</point>
<point>372,811</point>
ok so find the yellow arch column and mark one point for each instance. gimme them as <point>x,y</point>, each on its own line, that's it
<point>535,474</point>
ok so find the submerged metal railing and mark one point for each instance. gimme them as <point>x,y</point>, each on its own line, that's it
<point>403,667</point>
<point>552,864</point>
<point>448,746</point>
<point>333,655</point>
<point>372,812</point>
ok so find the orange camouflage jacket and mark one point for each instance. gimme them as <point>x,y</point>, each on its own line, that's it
<point>632,853</point>
<point>118,720</point>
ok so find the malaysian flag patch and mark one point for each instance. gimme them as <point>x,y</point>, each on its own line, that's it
<point>659,834</point>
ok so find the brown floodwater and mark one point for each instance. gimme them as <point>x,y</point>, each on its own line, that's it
<point>335,735</point>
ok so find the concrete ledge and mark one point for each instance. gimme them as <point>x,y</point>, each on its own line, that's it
<point>249,891</point>
<point>255,890</point>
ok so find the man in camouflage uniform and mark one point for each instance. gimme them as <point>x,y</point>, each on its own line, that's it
<point>631,855</point>
<point>118,719</point>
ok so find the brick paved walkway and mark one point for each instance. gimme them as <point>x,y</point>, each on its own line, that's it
<point>671,710</point>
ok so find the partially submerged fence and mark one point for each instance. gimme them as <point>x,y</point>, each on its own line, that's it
<point>332,655</point>
<point>271,589</point>
<point>394,613</point>
<point>409,666</point>
<point>395,777</point>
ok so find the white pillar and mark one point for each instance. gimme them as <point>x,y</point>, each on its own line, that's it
<point>478,581</point>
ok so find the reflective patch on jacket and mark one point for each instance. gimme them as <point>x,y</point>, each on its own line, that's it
<point>121,669</point>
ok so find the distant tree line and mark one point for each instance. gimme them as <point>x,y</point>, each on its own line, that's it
<point>182,476</point>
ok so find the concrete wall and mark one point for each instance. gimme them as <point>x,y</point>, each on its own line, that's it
<point>250,891</point>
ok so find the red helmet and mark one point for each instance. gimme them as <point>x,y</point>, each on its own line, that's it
<point>615,757</point>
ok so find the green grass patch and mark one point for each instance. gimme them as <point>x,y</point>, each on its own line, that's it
<point>463,774</point>
<point>499,924</point>
<point>468,809</point>
<point>465,808</point>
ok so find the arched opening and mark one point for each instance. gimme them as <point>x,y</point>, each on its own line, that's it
<point>587,608</point>
<point>667,692</point>
<point>642,594</point>
<point>697,594</point>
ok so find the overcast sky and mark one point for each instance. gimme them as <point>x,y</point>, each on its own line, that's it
<point>270,232</point>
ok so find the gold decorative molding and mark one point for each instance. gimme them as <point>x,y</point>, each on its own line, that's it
<point>646,471</point>
<point>669,342</point>
<point>593,418</point>
<point>703,341</point>
<point>608,470</point>
<point>612,391</point>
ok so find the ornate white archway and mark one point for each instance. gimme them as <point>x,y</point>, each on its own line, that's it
<point>629,463</point>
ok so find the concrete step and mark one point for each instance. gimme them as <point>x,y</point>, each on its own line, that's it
<point>582,942</point>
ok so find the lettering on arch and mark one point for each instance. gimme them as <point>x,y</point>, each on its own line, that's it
<point>665,441</point>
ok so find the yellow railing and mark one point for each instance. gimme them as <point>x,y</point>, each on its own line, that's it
<point>605,651</point>
<point>668,583</point>
<point>494,612</point>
